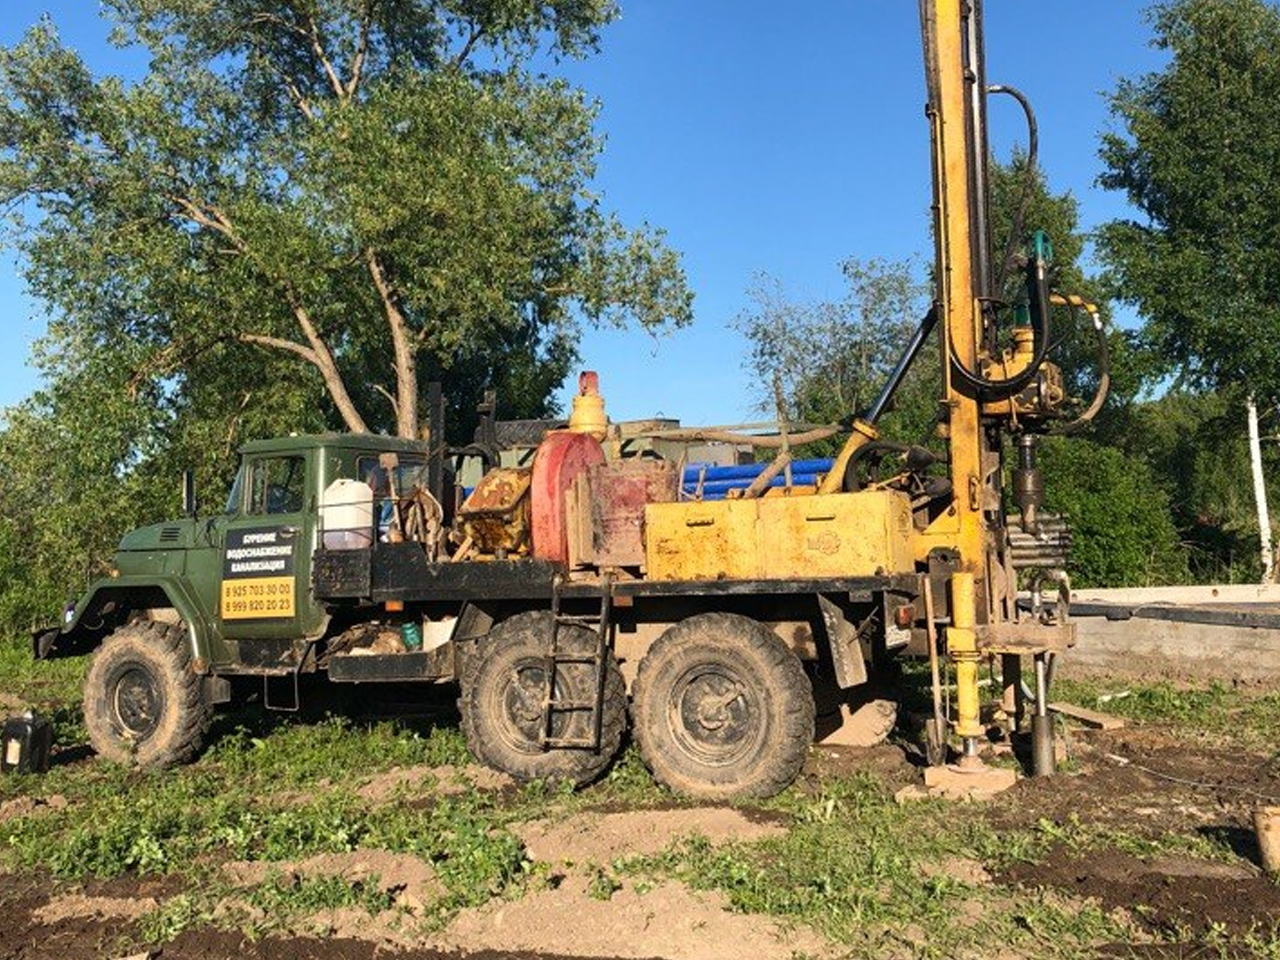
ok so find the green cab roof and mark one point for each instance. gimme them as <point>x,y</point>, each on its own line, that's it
<point>334,441</point>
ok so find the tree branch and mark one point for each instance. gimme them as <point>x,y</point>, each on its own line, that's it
<point>395,407</point>
<point>317,353</point>
<point>405,355</point>
<point>362,49</point>
<point>208,216</point>
<point>317,47</point>
<point>477,32</point>
<point>279,343</point>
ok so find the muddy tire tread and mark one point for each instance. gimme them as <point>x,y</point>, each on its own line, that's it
<point>167,645</point>
<point>577,766</point>
<point>782,673</point>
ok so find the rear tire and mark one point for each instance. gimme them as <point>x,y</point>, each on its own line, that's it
<point>503,686</point>
<point>143,704</point>
<point>722,709</point>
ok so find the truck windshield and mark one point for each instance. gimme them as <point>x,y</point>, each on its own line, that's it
<point>236,496</point>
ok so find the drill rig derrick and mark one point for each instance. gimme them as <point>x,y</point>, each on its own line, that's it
<point>990,391</point>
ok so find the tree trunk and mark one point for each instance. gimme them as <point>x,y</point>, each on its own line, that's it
<point>406,360</point>
<point>1260,491</point>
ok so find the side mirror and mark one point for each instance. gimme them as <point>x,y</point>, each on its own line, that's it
<point>188,493</point>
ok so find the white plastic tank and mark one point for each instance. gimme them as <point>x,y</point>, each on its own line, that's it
<point>346,515</point>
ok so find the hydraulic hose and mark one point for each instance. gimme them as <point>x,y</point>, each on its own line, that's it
<point>1104,367</point>
<point>1028,181</point>
<point>1040,326</point>
<point>1040,316</point>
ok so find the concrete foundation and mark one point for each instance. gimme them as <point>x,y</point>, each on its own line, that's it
<point>1152,649</point>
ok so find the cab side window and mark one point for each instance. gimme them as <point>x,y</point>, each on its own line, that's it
<point>278,485</point>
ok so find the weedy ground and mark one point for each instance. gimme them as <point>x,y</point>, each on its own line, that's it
<point>873,877</point>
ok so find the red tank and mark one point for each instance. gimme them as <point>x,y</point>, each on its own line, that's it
<point>561,458</point>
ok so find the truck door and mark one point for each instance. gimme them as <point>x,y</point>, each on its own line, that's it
<point>266,553</point>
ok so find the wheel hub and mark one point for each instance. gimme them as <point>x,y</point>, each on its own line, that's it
<point>716,717</point>
<point>137,702</point>
<point>523,700</point>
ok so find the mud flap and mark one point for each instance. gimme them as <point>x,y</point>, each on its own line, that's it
<point>42,642</point>
<point>846,651</point>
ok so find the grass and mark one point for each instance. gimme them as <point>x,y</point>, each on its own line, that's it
<point>39,683</point>
<point>865,871</point>
<point>1243,717</point>
<point>870,873</point>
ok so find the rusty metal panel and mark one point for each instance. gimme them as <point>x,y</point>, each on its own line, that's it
<point>619,493</point>
<point>839,534</point>
<point>496,515</point>
<point>701,540</point>
<point>561,457</point>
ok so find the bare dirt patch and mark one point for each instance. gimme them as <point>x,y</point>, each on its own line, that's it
<point>888,762</point>
<point>443,780</point>
<point>70,905</point>
<point>26,806</point>
<point>961,869</point>
<point>602,837</point>
<point>1150,783</point>
<point>411,879</point>
<point>1168,894</point>
<point>77,937</point>
<point>669,921</point>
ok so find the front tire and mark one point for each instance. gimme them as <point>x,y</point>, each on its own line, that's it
<point>722,709</point>
<point>143,704</point>
<point>503,685</point>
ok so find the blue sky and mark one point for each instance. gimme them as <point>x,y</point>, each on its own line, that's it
<point>763,137</point>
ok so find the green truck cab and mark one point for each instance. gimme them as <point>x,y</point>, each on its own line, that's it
<point>192,604</point>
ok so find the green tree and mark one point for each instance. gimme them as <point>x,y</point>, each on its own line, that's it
<point>1015,190</point>
<point>832,357</point>
<point>1196,448</point>
<point>1119,515</point>
<point>1195,154</point>
<point>829,358</point>
<point>366,186</point>
<point>305,210</point>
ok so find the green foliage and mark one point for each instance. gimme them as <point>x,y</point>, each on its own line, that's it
<point>824,360</point>
<point>1238,717</point>
<point>330,750</point>
<point>863,869</point>
<point>1196,447</point>
<point>1195,155</point>
<point>1119,515</point>
<point>297,217</point>
<point>1075,344</point>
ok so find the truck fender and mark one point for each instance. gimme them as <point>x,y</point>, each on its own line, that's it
<point>98,613</point>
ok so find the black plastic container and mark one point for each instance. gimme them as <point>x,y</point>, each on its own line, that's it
<point>26,744</point>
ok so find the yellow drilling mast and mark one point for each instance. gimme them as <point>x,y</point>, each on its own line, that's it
<point>979,403</point>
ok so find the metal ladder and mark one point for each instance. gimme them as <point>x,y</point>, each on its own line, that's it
<point>553,706</point>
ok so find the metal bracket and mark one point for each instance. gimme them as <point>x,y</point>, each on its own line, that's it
<point>846,651</point>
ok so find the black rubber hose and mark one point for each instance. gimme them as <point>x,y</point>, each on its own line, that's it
<point>852,483</point>
<point>1104,379</point>
<point>1028,181</point>
<point>974,380</point>
<point>1040,321</point>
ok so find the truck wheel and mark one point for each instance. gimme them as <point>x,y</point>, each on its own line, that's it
<point>142,702</point>
<point>722,708</point>
<point>504,682</point>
